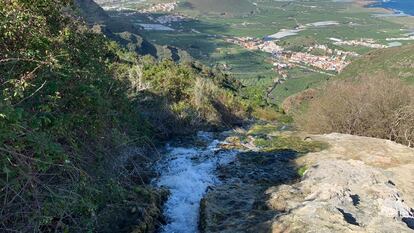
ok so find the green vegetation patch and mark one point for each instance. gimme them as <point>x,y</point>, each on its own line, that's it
<point>278,143</point>
<point>263,129</point>
<point>392,62</point>
<point>272,114</point>
<point>302,170</point>
<point>221,6</point>
<point>300,80</point>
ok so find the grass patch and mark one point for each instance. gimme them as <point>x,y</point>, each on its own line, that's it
<point>302,170</point>
<point>289,143</point>
<point>265,129</point>
<point>271,114</point>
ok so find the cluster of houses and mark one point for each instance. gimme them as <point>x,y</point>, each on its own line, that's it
<point>167,19</point>
<point>328,63</point>
<point>330,51</point>
<point>251,43</point>
<point>161,7</point>
<point>333,60</point>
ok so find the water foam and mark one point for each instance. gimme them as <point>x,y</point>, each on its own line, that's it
<point>187,172</point>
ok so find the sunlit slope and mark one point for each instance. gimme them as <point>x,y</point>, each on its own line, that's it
<point>395,62</point>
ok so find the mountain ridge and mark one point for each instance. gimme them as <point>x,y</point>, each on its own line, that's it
<point>125,33</point>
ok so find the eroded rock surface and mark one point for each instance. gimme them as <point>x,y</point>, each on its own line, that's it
<point>358,184</point>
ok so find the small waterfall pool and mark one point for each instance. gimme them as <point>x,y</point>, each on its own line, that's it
<point>188,171</point>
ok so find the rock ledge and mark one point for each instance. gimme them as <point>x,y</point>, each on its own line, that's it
<point>358,184</point>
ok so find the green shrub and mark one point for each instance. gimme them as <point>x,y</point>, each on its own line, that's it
<point>189,95</point>
<point>62,110</point>
<point>70,99</point>
<point>302,170</point>
<point>289,143</point>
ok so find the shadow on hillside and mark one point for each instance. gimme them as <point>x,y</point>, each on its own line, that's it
<point>191,35</point>
<point>227,117</point>
<point>156,109</point>
<point>239,204</point>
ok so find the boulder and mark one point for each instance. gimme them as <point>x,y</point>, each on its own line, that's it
<point>359,184</point>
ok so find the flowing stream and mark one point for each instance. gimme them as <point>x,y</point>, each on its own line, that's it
<point>187,171</point>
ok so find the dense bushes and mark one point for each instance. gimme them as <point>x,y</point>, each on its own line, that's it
<point>378,106</point>
<point>69,99</point>
<point>61,113</point>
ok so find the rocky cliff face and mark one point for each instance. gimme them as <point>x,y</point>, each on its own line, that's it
<point>358,184</point>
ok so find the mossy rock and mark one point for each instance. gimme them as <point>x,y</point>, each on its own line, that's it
<point>289,143</point>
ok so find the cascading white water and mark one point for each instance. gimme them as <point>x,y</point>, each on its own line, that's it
<point>187,172</point>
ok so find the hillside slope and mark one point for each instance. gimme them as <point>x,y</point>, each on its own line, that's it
<point>394,62</point>
<point>124,32</point>
<point>391,62</point>
<point>95,16</point>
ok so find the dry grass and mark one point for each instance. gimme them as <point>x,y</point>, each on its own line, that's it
<point>378,106</point>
